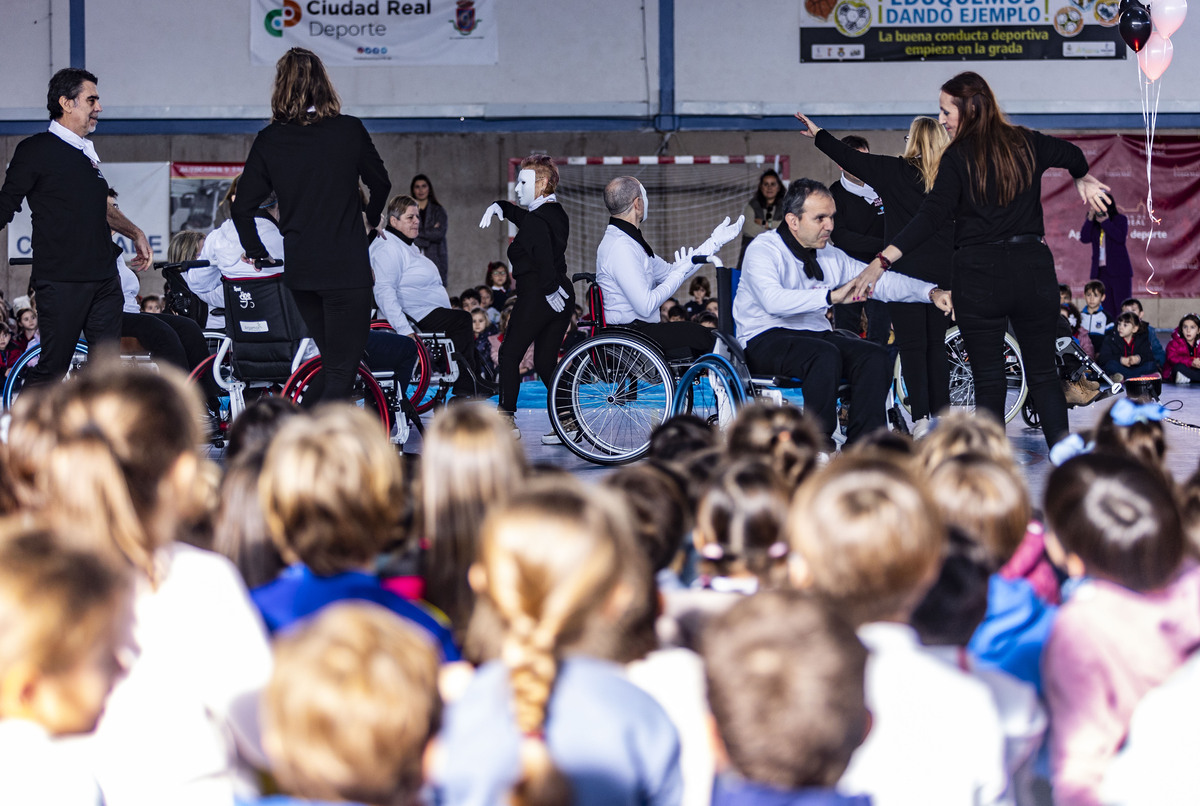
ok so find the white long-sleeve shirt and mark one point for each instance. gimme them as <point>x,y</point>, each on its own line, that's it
<point>634,284</point>
<point>775,292</point>
<point>406,282</point>
<point>223,250</point>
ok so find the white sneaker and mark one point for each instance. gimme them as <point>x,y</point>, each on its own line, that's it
<point>551,439</point>
<point>1181,378</point>
<point>921,427</point>
<point>725,412</point>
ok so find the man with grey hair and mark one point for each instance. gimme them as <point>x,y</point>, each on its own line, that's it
<point>635,281</point>
<point>790,277</point>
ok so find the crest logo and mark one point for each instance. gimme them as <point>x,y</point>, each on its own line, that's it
<point>464,16</point>
<point>281,18</point>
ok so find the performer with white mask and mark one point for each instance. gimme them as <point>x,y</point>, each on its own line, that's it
<point>538,256</point>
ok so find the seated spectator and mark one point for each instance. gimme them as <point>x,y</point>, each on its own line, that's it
<point>62,614</point>
<point>699,291</point>
<point>500,283</point>
<point>1133,305</point>
<point>483,329</point>
<point>408,284</point>
<point>152,303</point>
<point>1183,353</point>
<point>27,330</point>
<point>486,304</point>
<point>866,538</point>
<point>786,687</point>
<point>470,299</point>
<point>352,708</point>
<point>566,727</point>
<point>739,530</point>
<point>1125,350</point>
<point>332,492</point>
<point>9,352</point>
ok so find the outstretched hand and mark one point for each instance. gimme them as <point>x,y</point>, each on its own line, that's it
<point>683,262</point>
<point>811,128</point>
<point>1093,192</point>
<point>726,232</point>
<point>863,286</point>
<point>839,295</point>
<point>493,210</point>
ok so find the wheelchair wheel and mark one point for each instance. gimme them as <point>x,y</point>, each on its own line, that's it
<point>962,383</point>
<point>418,385</point>
<point>608,394</point>
<point>711,390</point>
<point>15,380</point>
<point>366,394</point>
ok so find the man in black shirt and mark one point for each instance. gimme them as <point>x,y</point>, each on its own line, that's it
<point>858,231</point>
<point>75,279</point>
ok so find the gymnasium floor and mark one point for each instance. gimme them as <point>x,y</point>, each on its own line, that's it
<point>1183,443</point>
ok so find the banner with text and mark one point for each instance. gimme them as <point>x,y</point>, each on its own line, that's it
<point>1165,254</point>
<point>143,200</point>
<point>958,30</point>
<point>378,33</point>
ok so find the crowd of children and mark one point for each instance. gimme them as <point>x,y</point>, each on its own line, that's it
<point>737,620</point>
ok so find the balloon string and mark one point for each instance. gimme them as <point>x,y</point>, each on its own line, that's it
<point>1150,118</point>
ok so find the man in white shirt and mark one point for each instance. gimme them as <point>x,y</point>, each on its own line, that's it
<point>790,277</point>
<point>635,281</point>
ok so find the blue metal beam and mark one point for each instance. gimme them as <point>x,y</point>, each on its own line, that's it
<point>78,35</point>
<point>666,121</point>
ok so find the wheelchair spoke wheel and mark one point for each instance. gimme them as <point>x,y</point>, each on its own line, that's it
<point>307,382</point>
<point>607,395</point>
<point>15,380</point>
<point>962,383</point>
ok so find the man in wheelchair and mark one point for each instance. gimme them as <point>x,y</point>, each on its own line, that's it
<point>635,281</point>
<point>790,277</point>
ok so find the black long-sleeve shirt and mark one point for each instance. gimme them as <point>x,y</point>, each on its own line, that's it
<point>900,184</point>
<point>68,197</point>
<point>314,170</point>
<point>858,225</point>
<point>984,222</point>
<point>538,255</point>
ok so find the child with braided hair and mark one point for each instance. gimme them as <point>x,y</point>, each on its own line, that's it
<point>545,726</point>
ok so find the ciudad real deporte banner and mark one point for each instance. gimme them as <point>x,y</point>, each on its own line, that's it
<point>958,30</point>
<point>376,33</point>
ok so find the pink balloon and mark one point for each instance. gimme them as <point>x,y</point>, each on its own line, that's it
<point>1155,58</point>
<point>1168,16</point>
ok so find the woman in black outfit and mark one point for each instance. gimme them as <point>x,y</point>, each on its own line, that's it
<point>313,156</point>
<point>538,256</point>
<point>902,183</point>
<point>432,238</point>
<point>989,180</point>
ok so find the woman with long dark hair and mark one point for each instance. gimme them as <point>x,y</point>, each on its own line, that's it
<point>989,181</point>
<point>764,211</point>
<point>432,237</point>
<point>312,156</point>
<point>902,183</point>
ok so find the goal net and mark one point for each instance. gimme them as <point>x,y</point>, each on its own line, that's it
<point>688,197</point>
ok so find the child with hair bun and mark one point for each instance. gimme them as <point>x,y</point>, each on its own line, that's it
<point>739,530</point>
<point>539,727</point>
<point>866,537</point>
<point>1134,428</point>
<point>780,435</point>
<point>1131,622</point>
<point>62,614</point>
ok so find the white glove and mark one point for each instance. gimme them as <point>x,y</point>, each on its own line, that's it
<point>557,299</point>
<point>723,234</point>
<point>683,263</point>
<point>494,210</point>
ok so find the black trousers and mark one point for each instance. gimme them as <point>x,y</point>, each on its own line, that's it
<point>821,359</point>
<point>534,322</point>
<point>995,285</point>
<point>848,316</point>
<point>64,310</point>
<point>174,339</point>
<point>678,339</point>
<point>338,320</point>
<point>456,325</point>
<point>921,341</point>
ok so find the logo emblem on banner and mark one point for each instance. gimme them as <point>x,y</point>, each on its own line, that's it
<point>282,18</point>
<point>464,17</point>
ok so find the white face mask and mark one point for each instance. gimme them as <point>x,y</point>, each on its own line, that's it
<point>526,184</point>
<point>645,202</point>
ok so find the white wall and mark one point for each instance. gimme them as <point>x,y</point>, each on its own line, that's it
<point>558,58</point>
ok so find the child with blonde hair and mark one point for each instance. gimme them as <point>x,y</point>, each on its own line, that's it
<point>352,708</point>
<point>333,497</point>
<point>62,616</point>
<point>111,459</point>
<point>867,538</point>
<point>540,726</point>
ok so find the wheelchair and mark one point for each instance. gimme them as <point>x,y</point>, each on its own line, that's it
<point>962,383</point>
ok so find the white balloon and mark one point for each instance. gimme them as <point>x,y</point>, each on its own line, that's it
<point>1168,16</point>
<point>1155,58</point>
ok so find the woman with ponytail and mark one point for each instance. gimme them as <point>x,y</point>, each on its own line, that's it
<point>543,726</point>
<point>110,459</point>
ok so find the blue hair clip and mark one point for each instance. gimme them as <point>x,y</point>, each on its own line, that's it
<point>1068,448</point>
<point>1126,413</point>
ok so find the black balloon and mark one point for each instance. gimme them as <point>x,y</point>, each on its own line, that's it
<point>1136,26</point>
